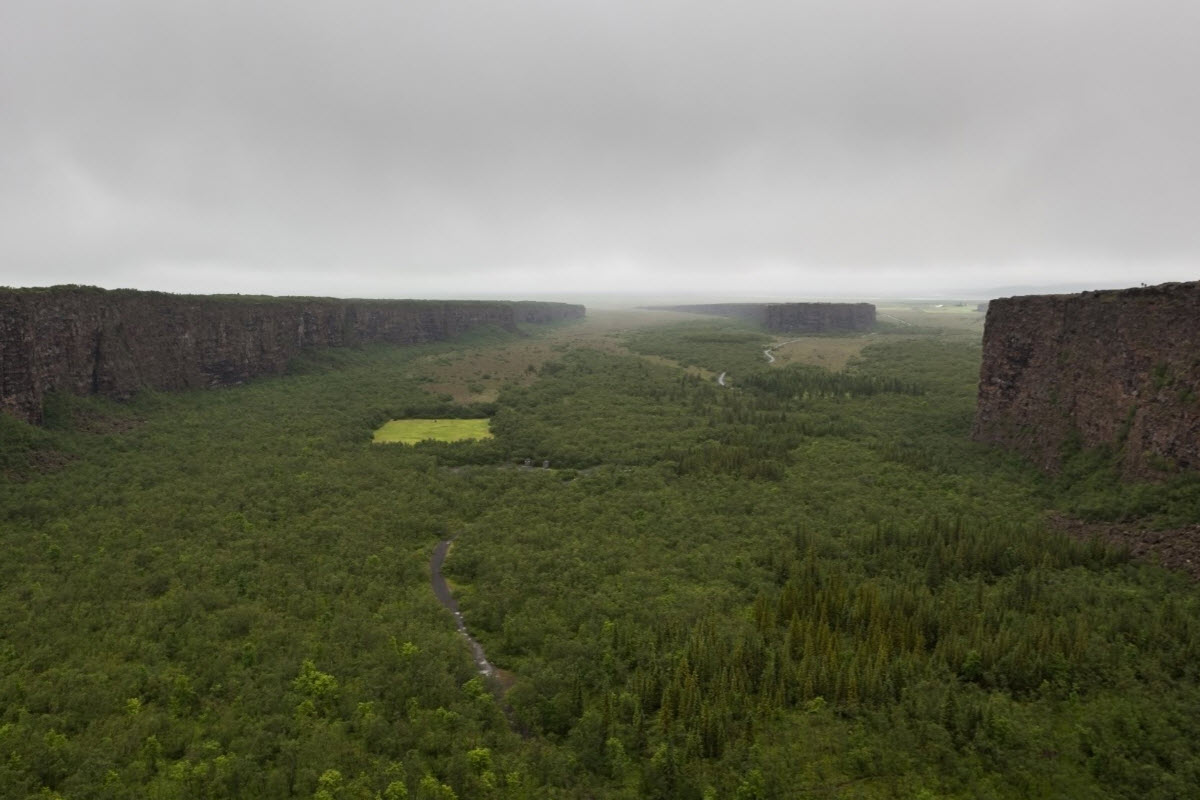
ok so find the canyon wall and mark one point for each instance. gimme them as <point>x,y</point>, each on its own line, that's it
<point>1117,368</point>
<point>540,313</point>
<point>819,317</point>
<point>86,340</point>
<point>790,317</point>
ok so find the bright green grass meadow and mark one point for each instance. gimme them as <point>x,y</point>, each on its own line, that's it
<point>411,431</point>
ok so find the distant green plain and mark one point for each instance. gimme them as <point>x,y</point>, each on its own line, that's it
<point>411,431</point>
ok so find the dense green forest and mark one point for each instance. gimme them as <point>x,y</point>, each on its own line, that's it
<point>811,584</point>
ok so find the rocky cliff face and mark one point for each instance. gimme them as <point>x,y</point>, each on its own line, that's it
<point>819,317</point>
<point>1119,368</point>
<point>539,313</point>
<point>790,317</point>
<point>91,341</point>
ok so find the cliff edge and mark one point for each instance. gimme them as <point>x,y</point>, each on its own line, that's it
<point>789,317</point>
<point>1116,368</point>
<point>86,340</point>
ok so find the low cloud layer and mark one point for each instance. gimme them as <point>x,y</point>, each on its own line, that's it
<point>479,148</point>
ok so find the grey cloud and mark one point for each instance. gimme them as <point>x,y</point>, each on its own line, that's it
<point>375,146</point>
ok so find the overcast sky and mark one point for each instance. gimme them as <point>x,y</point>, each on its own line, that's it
<point>413,148</point>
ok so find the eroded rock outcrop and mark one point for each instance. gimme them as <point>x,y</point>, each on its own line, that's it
<point>1117,368</point>
<point>86,340</point>
<point>790,317</point>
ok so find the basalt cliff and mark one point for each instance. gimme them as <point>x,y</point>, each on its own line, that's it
<point>539,313</point>
<point>790,317</point>
<point>85,340</point>
<point>1113,368</point>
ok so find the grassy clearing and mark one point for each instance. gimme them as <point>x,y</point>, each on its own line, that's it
<point>830,352</point>
<point>411,431</point>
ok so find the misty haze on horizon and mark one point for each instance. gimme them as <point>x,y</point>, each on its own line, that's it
<point>624,152</point>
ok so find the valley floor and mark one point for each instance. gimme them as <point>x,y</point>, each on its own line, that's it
<point>809,583</point>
